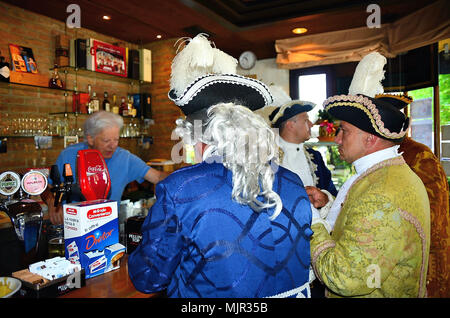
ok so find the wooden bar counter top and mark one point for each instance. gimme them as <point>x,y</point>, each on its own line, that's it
<point>115,284</point>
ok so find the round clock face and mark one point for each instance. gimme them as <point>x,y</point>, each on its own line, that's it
<point>247,60</point>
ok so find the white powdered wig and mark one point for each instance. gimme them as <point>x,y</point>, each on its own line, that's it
<point>246,146</point>
<point>368,76</point>
<point>198,58</point>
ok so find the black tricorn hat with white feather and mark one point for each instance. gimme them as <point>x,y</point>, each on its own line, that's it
<point>203,76</point>
<point>366,107</point>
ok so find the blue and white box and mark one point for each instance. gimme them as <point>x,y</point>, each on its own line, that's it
<point>91,233</point>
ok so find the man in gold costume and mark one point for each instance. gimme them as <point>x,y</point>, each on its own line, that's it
<point>426,165</point>
<point>380,220</point>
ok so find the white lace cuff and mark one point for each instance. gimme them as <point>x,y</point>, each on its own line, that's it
<point>326,208</point>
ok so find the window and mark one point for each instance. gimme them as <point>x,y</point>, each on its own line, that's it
<point>313,88</point>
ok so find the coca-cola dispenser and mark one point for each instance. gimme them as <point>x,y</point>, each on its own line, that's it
<point>93,175</point>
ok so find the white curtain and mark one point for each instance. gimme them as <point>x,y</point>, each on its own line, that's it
<point>423,27</point>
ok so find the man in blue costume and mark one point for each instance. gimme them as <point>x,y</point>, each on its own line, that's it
<point>236,224</point>
<point>102,131</point>
<point>294,127</point>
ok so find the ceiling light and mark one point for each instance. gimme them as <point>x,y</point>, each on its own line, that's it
<point>299,30</point>
<point>106,17</point>
<point>159,36</point>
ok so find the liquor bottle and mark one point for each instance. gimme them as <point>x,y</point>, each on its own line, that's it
<point>90,106</point>
<point>106,105</point>
<point>131,109</point>
<point>123,110</point>
<point>4,70</point>
<point>55,81</point>
<point>95,102</point>
<point>115,108</point>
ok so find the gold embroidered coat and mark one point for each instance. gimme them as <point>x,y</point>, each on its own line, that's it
<point>381,239</point>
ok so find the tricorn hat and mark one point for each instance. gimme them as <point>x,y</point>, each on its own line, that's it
<point>377,116</point>
<point>283,107</point>
<point>203,76</point>
<point>289,110</point>
<point>399,101</point>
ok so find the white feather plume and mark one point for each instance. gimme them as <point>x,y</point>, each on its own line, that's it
<point>368,75</point>
<point>198,58</point>
<point>280,97</point>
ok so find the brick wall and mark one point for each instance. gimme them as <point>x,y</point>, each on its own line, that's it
<point>38,32</point>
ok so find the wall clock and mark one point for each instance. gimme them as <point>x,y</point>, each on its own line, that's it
<point>247,60</point>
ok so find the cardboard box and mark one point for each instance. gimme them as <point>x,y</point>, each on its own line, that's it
<point>62,41</point>
<point>91,235</point>
<point>145,65</point>
<point>133,233</point>
<point>106,58</point>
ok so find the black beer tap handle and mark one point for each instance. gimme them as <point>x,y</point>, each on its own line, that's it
<point>57,185</point>
<point>55,176</point>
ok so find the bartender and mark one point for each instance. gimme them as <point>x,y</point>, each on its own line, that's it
<point>102,130</point>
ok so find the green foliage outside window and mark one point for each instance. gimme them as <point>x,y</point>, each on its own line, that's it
<point>444,97</point>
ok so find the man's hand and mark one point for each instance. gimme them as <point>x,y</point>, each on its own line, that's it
<point>56,214</point>
<point>318,198</point>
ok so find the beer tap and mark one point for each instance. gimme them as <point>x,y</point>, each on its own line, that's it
<point>67,191</point>
<point>26,214</point>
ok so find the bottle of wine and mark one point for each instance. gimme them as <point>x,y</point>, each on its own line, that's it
<point>123,108</point>
<point>106,105</point>
<point>115,108</point>
<point>95,102</point>
<point>90,106</point>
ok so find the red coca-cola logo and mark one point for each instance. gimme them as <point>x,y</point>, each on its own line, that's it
<point>95,169</point>
<point>71,211</point>
<point>99,213</point>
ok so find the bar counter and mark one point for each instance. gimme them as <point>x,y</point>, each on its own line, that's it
<point>115,284</point>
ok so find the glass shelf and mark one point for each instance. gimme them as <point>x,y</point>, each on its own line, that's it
<point>85,72</point>
<point>64,91</point>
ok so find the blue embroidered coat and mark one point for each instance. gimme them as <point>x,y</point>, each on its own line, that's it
<point>198,242</point>
<point>322,173</point>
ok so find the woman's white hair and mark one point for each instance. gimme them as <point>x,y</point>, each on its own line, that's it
<point>245,145</point>
<point>100,120</point>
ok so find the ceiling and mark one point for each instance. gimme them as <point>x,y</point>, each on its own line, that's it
<point>233,25</point>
